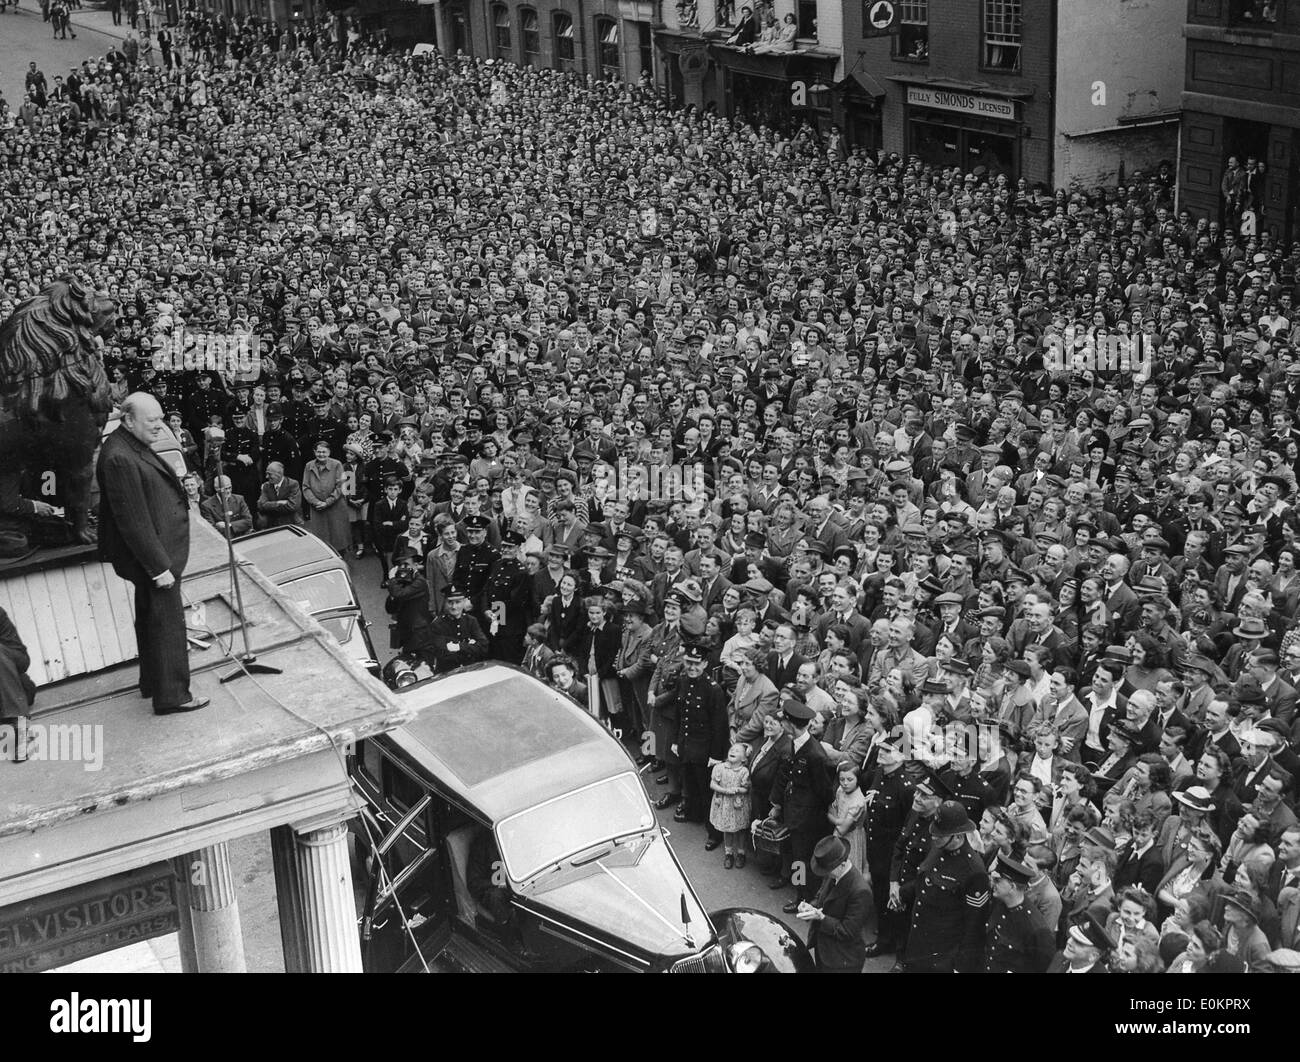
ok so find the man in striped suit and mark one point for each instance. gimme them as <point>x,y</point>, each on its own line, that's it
<point>144,533</point>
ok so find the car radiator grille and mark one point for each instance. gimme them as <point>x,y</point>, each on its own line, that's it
<point>708,961</point>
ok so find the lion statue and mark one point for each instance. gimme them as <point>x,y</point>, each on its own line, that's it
<point>54,403</point>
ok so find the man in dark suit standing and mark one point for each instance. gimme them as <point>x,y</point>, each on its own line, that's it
<point>144,533</point>
<point>838,916</point>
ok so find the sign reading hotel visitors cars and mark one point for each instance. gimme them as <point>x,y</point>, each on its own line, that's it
<point>879,17</point>
<point>964,102</point>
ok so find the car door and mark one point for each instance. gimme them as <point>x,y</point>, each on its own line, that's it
<point>406,911</point>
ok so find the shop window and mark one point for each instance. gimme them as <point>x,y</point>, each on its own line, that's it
<point>564,38</point>
<point>501,30</point>
<point>1001,36</point>
<point>1255,14</point>
<point>807,18</point>
<point>912,41</point>
<point>530,34</point>
<point>607,43</point>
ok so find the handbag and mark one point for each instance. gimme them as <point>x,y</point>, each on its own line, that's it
<point>394,635</point>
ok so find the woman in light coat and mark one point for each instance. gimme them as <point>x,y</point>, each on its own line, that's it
<point>322,487</point>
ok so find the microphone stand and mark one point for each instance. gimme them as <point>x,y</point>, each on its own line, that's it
<point>248,662</point>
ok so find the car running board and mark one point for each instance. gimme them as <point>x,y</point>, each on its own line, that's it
<point>469,957</point>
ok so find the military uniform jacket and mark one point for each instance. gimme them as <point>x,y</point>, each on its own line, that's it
<point>1018,939</point>
<point>702,731</point>
<point>803,787</point>
<point>949,916</point>
<point>886,816</point>
<point>665,646</point>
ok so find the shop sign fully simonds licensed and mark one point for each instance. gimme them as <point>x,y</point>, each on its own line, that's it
<point>961,102</point>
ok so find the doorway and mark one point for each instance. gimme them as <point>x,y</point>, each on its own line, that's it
<point>458,18</point>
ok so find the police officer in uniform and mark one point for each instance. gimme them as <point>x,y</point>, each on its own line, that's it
<point>507,583</point>
<point>321,427</point>
<point>202,402</point>
<point>243,457</point>
<point>278,445</point>
<point>910,849</point>
<point>801,792</point>
<point>474,562</point>
<point>457,637</point>
<point>701,739</point>
<point>383,466</point>
<point>952,899</point>
<point>1018,940</point>
<point>889,798</point>
<point>298,410</point>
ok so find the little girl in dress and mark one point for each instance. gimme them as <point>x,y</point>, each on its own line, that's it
<point>729,810</point>
<point>847,813</point>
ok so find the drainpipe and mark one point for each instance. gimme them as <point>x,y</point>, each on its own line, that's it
<point>580,37</point>
<point>1051,100</point>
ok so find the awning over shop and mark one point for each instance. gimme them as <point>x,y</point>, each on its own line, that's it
<point>859,82</point>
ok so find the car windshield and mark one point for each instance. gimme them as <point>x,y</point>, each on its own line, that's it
<point>175,459</point>
<point>348,633</point>
<point>324,590</point>
<point>545,835</point>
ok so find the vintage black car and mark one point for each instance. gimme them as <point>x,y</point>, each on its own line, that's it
<point>505,828</point>
<point>316,578</point>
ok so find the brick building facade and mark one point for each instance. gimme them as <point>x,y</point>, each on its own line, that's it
<point>603,39</point>
<point>946,90</point>
<point>1011,85</point>
<point>1242,100</point>
<point>697,67</point>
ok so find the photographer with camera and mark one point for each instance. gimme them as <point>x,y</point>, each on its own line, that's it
<point>408,604</point>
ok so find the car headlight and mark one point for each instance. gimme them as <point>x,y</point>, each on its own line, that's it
<point>745,957</point>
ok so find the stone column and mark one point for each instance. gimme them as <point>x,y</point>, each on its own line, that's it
<point>185,923</point>
<point>330,938</point>
<point>214,910</point>
<point>288,898</point>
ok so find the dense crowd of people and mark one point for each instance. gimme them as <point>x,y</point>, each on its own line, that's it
<point>914,525</point>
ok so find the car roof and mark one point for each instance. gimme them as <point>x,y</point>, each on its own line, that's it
<point>284,553</point>
<point>502,741</point>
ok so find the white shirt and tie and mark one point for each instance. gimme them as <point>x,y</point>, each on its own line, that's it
<point>1096,713</point>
